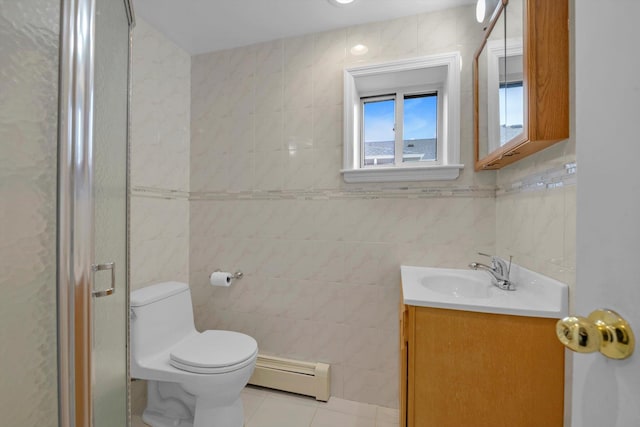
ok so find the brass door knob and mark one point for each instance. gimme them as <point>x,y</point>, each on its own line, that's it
<point>603,330</point>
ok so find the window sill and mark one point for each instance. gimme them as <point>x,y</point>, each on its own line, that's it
<point>406,173</point>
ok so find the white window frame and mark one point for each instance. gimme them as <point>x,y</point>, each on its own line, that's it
<point>447,166</point>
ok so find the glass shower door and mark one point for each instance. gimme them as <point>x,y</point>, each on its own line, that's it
<point>110,289</point>
<point>92,205</point>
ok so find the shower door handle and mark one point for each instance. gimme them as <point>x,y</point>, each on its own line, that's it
<point>102,267</point>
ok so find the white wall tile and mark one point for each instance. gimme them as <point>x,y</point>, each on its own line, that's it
<point>299,164</point>
<point>325,174</point>
<point>538,229</point>
<point>160,111</point>
<point>298,129</point>
<point>298,53</point>
<point>269,94</point>
<point>269,170</point>
<point>327,84</point>
<point>298,88</point>
<point>328,305</point>
<point>437,31</point>
<point>242,62</point>
<point>327,126</point>
<point>399,38</point>
<point>269,58</point>
<point>241,98</point>
<point>269,130</point>
<point>330,47</point>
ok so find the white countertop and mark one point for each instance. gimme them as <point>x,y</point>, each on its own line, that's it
<point>535,295</point>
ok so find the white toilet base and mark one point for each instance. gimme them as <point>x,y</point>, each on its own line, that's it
<point>169,405</point>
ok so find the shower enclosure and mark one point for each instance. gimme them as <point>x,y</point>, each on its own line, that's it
<point>64,107</point>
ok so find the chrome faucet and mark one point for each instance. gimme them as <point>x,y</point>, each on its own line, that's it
<point>498,269</point>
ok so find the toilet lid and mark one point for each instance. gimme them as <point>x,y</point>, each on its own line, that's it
<point>214,352</point>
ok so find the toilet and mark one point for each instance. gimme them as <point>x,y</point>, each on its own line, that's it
<point>194,378</point>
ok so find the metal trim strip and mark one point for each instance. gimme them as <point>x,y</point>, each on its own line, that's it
<point>75,211</point>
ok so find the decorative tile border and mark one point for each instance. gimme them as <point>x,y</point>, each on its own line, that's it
<point>391,193</point>
<point>549,179</point>
<point>159,193</point>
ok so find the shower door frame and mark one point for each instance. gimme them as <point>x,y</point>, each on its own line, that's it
<point>75,215</point>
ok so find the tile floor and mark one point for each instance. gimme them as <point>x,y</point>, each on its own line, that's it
<point>269,408</point>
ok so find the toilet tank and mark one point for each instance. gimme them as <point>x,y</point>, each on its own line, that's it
<point>161,315</point>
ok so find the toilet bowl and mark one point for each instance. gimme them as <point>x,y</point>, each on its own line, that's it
<point>194,378</point>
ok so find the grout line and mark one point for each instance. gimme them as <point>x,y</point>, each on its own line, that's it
<point>315,412</point>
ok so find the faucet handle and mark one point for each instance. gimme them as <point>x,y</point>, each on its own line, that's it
<point>495,261</point>
<point>499,264</point>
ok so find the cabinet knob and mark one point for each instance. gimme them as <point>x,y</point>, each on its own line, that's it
<point>604,331</point>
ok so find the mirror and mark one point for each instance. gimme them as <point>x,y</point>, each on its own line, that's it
<point>500,83</point>
<point>521,82</point>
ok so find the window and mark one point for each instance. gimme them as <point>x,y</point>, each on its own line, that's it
<point>511,110</point>
<point>378,134</point>
<point>402,120</point>
<point>402,134</point>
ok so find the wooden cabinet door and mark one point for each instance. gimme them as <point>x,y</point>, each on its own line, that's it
<point>483,370</point>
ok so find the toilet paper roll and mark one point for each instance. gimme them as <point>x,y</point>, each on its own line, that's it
<point>220,278</point>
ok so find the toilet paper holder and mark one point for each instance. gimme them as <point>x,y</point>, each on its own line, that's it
<point>237,275</point>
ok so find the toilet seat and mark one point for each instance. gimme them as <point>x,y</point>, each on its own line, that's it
<point>214,352</point>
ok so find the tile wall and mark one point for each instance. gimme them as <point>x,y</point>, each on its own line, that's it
<point>536,212</point>
<point>160,141</point>
<point>321,258</point>
<point>159,233</point>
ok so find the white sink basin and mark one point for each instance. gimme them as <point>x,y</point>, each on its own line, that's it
<point>471,290</point>
<point>459,284</point>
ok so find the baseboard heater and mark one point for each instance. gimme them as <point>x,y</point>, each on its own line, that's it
<point>310,379</point>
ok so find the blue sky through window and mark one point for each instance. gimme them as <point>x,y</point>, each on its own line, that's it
<point>379,120</point>
<point>420,119</point>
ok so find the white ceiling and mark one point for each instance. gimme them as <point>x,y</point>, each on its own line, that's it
<point>206,25</point>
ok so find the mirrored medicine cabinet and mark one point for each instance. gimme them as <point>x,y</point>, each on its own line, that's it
<point>521,82</point>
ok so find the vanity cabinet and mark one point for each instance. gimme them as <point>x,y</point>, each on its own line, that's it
<point>462,368</point>
<point>521,82</point>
